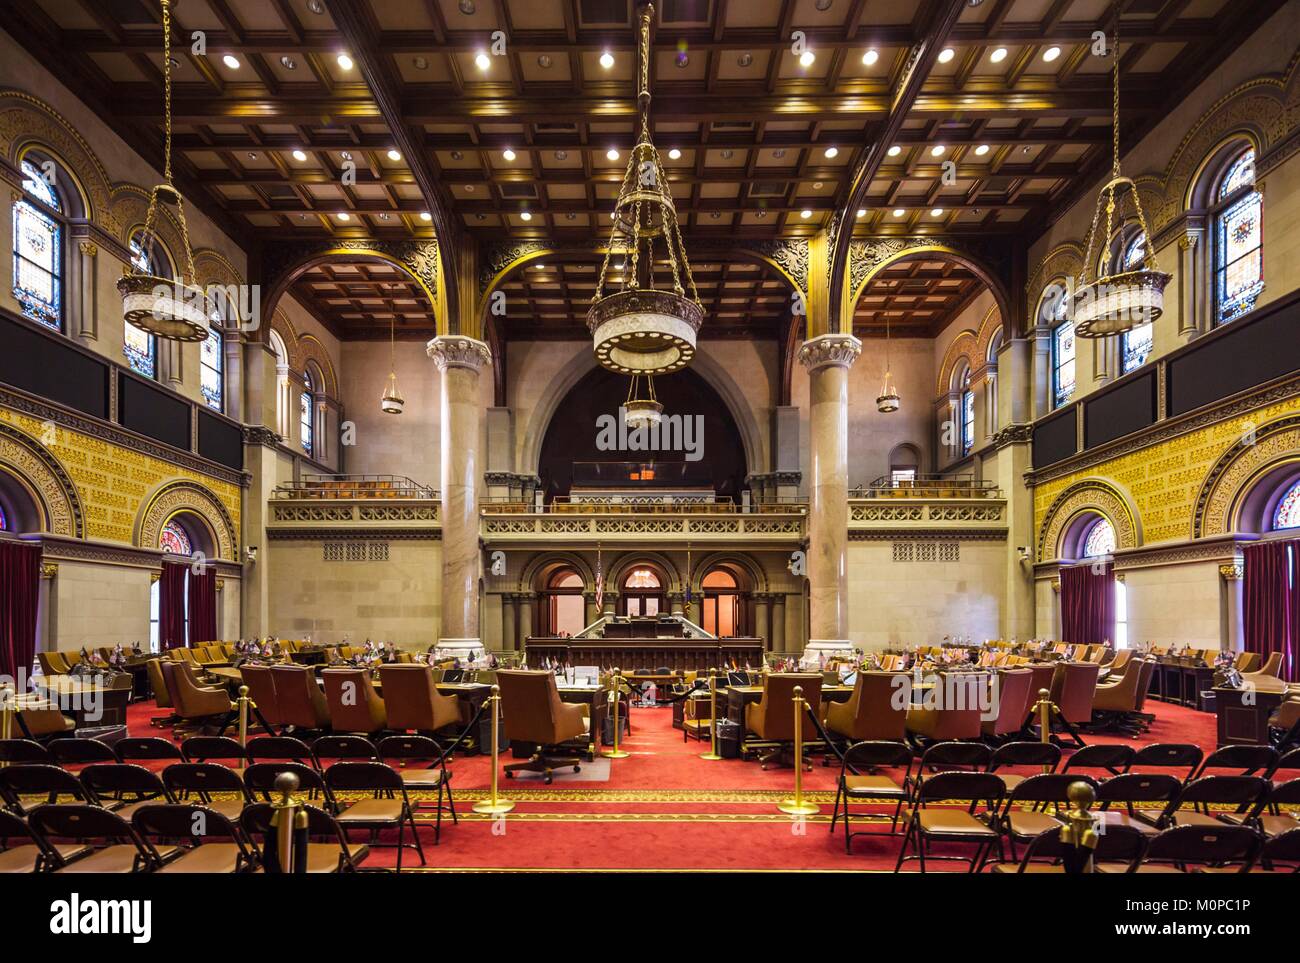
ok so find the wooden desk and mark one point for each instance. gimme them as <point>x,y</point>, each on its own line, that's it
<point>675,654</point>
<point>1242,714</point>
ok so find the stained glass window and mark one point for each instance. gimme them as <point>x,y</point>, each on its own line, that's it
<point>175,540</point>
<point>305,414</point>
<point>4,522</point>
<point>1288,510</point>
<point>1135,346</point>
<point>967,417</point>
<point>38,250</point>
<point>1100,539</point>
<point>1062,363</point>
<point>1239,241</point>
<point>212,370</point>
<point>137,344</point>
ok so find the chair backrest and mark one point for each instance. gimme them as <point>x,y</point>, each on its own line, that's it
<point>80,752</point>
<point>298,698</point>
<point>1273,665</point>
<point>412,701</point>
<point>1115,757</point>
<point>529,699</point>
<point>342,747</point>
<point>203,748</point>
<point>184,821</point>
<point>1042,679</point>
<point>878,753</point>
<point>354,705</point>
<point>1074,685</point>
<point>1118,844</point>
<point>1289,761</point>
<point>41,779</point>
<point>256,823</point>
<point>1149,667</point>
<point>957,703</point>
<point>1204,844</point>
<point>358,776</point>
<point>777,703</point>
<point>1036,754</point>
<point>261,689</point>
<point>962,787</point>
<point>1122,657</point>
<point>90,823</point>
<point>1247,760</point>
<point>260,778</point>
<point>1131,787</point>
<point>410,748</point>
<point>202,778</point>
<point>159,684</point>
<point>121,778</point>
<point>1014,698</point>
<point>878,714</point>
<point>1048,787</point>
<point>1239,791</point>
<point>146,747</point>
<point>949,756</point>
<point>1282,848</point>
<point>1170,755</point>
<point>1246,662</point>
<point>278,747</point>
<point>19,751</point>
<point>190,700</point>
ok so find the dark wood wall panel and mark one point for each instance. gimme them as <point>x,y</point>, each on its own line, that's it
<point>53,369</point>
<point>1126,408</point>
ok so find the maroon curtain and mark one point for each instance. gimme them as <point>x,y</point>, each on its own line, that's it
<point>1270,604</point>
<point>203,605</point>
<point>20,593</point>
<point>1291,662</point>
<point>1088,604</point>
<point>171,605</point>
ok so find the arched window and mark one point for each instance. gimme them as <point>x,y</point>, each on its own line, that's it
<point>1134,345</point>
<point>967,415</point>
<point>139,346</point>
<point>212,373</point>
<point>174,540</point>
<point>4,520</point>
<point>642,592</point>
<point>305,412</point>
<point>723,614</point>
<point>1054,313</point>
<point>1238,239</point>
<point>1100,539</point>
<point>563,610</point>
<point>38,244</point>
<point>1288,509</point>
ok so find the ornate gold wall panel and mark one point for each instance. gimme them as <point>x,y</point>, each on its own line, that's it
<point>1166,479</point>
<point>113,482</point>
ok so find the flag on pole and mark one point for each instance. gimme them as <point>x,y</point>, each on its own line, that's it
<point>600,583</point>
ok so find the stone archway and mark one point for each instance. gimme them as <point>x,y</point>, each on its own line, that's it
<point>192,499</point>
<point>1096,496</point>
<point>45,479</point>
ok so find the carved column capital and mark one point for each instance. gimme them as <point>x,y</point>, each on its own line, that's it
<point>1233,571</point>
<point>826,350</point>
<point>458,351</point>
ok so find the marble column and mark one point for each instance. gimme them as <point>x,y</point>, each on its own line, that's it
<point>459,360</point>
<point>828,358</point>
<point>763,617</point>
<point>609,604</point>
<point>777,642</point>
<point>509,621</point>
<point>677,603</point>
<point>526,600</point>
<point>1233,620</point>
<point>590,612</point>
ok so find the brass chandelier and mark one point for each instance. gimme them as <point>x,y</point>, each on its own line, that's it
<point>888,401</point>
<point>642,322</point>
<point>1109,299</point>
<point>167,308</point>
<point>392,403</point>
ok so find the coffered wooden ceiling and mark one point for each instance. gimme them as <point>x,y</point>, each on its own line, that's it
<point>916,297</point>
<point>268,120</point>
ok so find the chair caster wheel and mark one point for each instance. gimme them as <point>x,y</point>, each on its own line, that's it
<point>547,778</point>
<point>577,769</point>
<point>510,775</point>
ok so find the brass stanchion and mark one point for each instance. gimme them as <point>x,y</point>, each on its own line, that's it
<point>796,806</point>
<point>288,817</point>
<point>713,753</point>
<point>242,705</point>
<point>1044,709</point>
<point>1079,834</point>
<point>495,805</point>
<point>8,698</point>
<point>616,752</point>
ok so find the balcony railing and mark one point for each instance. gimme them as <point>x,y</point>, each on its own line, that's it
<point>353,487</point>
<point>928,486</point>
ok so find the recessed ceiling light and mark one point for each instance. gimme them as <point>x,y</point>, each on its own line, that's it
<point>482,60</point>
<point>561,155</point>
<point>467,7</point>
<point>674,154</point>
<point>607,60</point>
<point>715,215</point>
<point>611,154</point>
<point>344,216</point>
<point>394,155</point>
<point>299,155</point>
<point>480,217</point>
<point>805,214</point>
<point>779,153</point>
<point>870,57</point>
<point>899,212</point>
<point>344,61</point>
<point>457,155</point>
<point>745,60</point>
<point>252,155</point>
<point>231,61</point>
<point>806,58</point>
<point>544,61</point>
<point>728,154</point>
<point>832,153</point>
<point>946,54</point>
<point>570,216</point>
<point>760,214</point>
<point>981,150</point>
<point>316,7</point>
<point>937,212</point>
<point>426,216</point>
<point>288,63</point>
<point>508,154</point>
<point>683,60</point>
<point>525,216</point>
<point>383,216</point>
<point>346,155</point>
<point>817,185</point>
<point>420,63</point>
<point>895,151</point>
<point>470,188</point>
<point>998,55</point>
<point>862,212</point>
<point>539,267</point>
<point>824,5</point>
<point>937,150</point>
<point>1051,53</point>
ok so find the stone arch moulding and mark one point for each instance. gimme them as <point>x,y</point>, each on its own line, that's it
<point>962,348</point>
<point>418,259</point>
<point>1218,505</point>
<point>629,560</point>
<point>989,328</point>
<point>186,496</point>
<point>579,564</point>
<point>757,577</point>
<point>1065,261</point>
<point>45,476</point>
<point>867,258</point>
<point>130,207</point>
<point>282,326</point>
<point>311,350</point>
<point>1091,494</point>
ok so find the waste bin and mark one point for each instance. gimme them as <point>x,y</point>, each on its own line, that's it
<point>728,739</point>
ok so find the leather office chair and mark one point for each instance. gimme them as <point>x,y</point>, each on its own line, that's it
<point>1014,699</point>
<point>1122,657</point>
<point>872,712</point>
<point>1247,662</point>
<point>953,712</point>
<point>44,723</point>
<point>1073,688</point>
<point>533,711</point>
<point>162,698</point>
<point>261,689</point>
<point>412,701</point>
<point>771,719</point>
<point>298,698</point>
<point>52,663</point>
<point>196,706</point>
<point>1116,704</point>
<point>1272,669</point>
<point>354,705</point>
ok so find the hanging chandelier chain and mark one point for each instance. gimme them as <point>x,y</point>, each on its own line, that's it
<point>1115,104</point>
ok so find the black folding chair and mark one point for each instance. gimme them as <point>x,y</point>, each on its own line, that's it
<point>1244,760</point>
<point>1169,755</point>
<point>858,780</point>
<point>123,786</point>
<point>265,748</point>
<point>377,813</point>
<point>407,748</point>
<point>338,856</point>
<point>147,749</point>
<point>17,752</point>
<point>1116,758</point>
<point>1220,848</point>
<point>260,779</point>
<point>203,781</point>
<point>115,846</point>
<point>1130,788</point>
<point>1039,793</point>
<point>1118,848</point>
<point>25,851</point>
<point>951,825</point>
<point>80,752</point>
<point>192,829</point>
<point>1282,848</point>
<point>342,747</point>
<point>41,779</point>
<point>1042,756</point>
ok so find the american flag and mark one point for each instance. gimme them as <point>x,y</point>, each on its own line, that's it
<point>600,582</point>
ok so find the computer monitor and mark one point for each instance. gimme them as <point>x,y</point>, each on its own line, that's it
<point>738,678</point>
<point>452,676</point>
<point>851,678</point>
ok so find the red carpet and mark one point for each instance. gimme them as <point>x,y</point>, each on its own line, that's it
<point>664,808</point>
